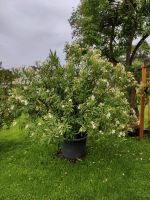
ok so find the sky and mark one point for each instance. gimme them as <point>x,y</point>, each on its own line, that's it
<point>30,28</point>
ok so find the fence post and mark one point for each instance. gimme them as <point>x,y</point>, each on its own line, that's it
<point>142,102</point>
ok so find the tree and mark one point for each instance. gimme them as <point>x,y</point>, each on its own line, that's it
<point>144,52</point>
<point>112,26</point>
<point>6,78</point>
<point>0,64</point>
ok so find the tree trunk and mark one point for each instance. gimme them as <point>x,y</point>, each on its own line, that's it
<point>137,47</point>
<point>132,93</point>
<point>129,50</point>
<point>133,99</point>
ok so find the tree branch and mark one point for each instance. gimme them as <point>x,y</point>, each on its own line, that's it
<point>111,49</point>
<point>137,47</point>
<point>112,37</point>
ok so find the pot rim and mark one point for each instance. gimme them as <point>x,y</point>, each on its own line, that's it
<point>75,139</point>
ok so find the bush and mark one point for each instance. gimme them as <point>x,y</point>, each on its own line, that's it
<point>6,116</point>
<point>88,96</point>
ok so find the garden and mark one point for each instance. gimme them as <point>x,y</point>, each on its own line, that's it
<point>51,109</point>
<point>65,130</point>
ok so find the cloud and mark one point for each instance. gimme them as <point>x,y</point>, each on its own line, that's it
<point>28,29</point>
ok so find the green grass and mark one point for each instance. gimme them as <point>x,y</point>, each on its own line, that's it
<point>114,169</point>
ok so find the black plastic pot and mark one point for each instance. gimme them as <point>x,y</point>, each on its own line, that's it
<point>74,148</point>
<point>134,132</point>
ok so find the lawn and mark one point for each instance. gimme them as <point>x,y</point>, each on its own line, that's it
<point>113,169</point>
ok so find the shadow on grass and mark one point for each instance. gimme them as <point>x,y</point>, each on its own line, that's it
<point>7,145</point>
<point>10,145</point>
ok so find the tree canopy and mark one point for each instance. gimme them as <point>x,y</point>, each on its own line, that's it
<point>112,26</point>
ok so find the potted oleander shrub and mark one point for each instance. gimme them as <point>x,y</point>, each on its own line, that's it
<point>87,97</point>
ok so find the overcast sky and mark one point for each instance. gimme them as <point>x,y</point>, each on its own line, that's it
<point>29,28</point>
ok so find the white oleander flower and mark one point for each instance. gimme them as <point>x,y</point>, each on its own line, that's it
<point>108,115</point>
<point>122,126</point>
<point>93,97</point>
<point>12,107</point>
<point>117,122</point>
<point>49,115</point>
<point>25,87</point>
<point>107,84</point>
<point>101,132</point>
<point>101,104</point>
<point>27,126</point>
<point>122,134</point>
<point>18,98</point>
<point>25,102</point>
<point>105,80</point>
<point>93,125</point>
<point>14,123</point>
